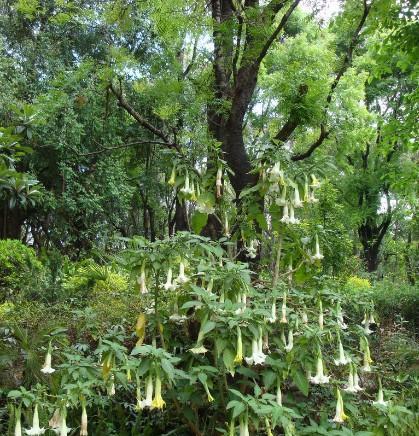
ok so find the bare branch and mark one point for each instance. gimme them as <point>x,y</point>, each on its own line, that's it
<point>323,135</point>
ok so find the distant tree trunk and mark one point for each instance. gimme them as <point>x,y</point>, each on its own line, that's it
<point>11,223</point>
<point>371,236</point>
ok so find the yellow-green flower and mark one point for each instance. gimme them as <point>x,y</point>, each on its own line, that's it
<point>239,354</point>
<point>340,413</point>
<point>158,402</point>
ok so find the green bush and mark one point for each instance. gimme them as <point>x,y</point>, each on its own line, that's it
<point>20,270</point>
<point>395,300</point>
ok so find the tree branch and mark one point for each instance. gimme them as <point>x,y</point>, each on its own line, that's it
<point>117,147</point>
<point>140,119</point>
<point>323,135</point>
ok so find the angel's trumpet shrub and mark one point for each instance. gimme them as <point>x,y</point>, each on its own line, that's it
<point>340,412</point>
<point>47,368</point>
<point>275,173</point>
<point>319,378</point>
<point>356,381</point>
<point>244,426</point>
<point>63,430</point>
<point>207,391</point>
<point>257,357</point>
<point>158,402</point>
<point>239,354</point>
<point>350,387</point>
<point>186,190</point>
<point>315,182</point>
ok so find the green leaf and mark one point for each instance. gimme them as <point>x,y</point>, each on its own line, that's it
<point>198,222</point>
<point>300,380</point>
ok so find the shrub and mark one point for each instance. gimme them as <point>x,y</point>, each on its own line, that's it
<point>20,270</point>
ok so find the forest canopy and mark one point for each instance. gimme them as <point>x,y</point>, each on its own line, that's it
<point>172,175</point>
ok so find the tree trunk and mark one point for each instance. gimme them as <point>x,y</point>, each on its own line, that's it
<point>11,223</point>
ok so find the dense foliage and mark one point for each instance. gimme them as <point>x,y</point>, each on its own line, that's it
<point>207,217</point>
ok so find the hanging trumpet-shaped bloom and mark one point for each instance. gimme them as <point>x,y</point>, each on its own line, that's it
<point>282,201</point>
<point>340,413</point>
<point>304,316</point>
<point>232,428</point>
<point>83,423</point>
<point>219,181</point>
<point>366,355</point>
<point>339,317</point>
<point>292,219</point>
<point>283,338</point>
<point>321,315</point>
<point>158,402</point>
<point>275,173</point>
<point>239,354</point>
<point>226,227</point>
<point>273,316</point>
<point>175,317</point>
<point>297,202</point>
<point>319,378</point>
<point>182,278</point>
<point>315,182</point>
<point>290,344</point>
<point>148,400</point>
<point>311,198</point>
<point>193,193</point>
<point>244,426</point>
<point>380,396</point>
<point>306,191</point>
<point>18,424</point>
<point>268,427</point>
<point>169,285</point>
<point>251,249</point>
<point>317,255</point>
<point>111,387</point>
<point>367,329</point>
<point>63,430</point>
<point>285,215</point>
<point>283,319</point>
<point>172,179</point>
<point>199,347</point>
<point>350,387</point>
<point>186,190</point>
<point>207,391</point>
<point>257,357</point>
<point>47,368</point>
<point>142,280</point>
<point>278,397</point>
<point>356,381</point>
<point>365,318</point>
<point>35,429</point>
<point>342,360</point>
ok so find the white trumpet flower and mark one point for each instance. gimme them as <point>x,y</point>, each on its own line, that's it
<point>244,426</point>
<point>321,316</point>
<point>35,429</point>
<point>367,329</point>
<point>315,182</point>
<point>340,413</point>
<point>169,285</point>
<point>350,387</point>
<point>284,309</point>
<point>18,424</point>
<point>282,200</point>
<point>182,278</point>
<point>63,430</point>
<point>356,381</point>
<point>275,173</point>
<point>366,356</point>
<point>147,402</point>
<point>342,360</point>
<point>273,317</point>
<point>219,181</point>
<point>142,280</point>
<point>297,201</point>
<point>317,255</point>
<point>380,396</point>
<point>339,317</point>
<point>320,378</point>
<point>290,344</point>
<point>172,179</point>
<point>239,354</point>
<point>83,424</point>
<point>285,215</point>
<point>257,357</point>
<point>186,190</point>
<point>252,248</point>
<point>278,398</point>
<point>292,219</point>
<point>47,368</point>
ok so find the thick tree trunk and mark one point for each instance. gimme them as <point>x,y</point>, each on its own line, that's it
<point>11,223</point>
